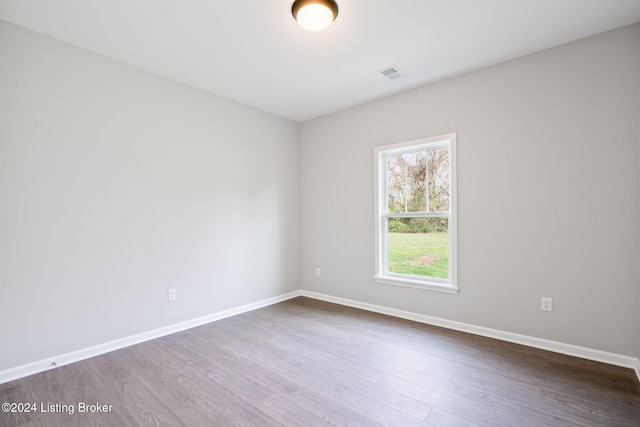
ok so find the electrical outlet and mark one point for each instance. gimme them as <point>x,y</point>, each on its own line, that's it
<point>317,271</point>
<point>171,294</point>
<point>546,304</point>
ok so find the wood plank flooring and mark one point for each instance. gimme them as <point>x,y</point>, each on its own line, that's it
<point>309,363</point>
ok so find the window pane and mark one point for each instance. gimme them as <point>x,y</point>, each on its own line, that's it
<point>419,247</point>
<point>438,173</point>
<point>406,182</point>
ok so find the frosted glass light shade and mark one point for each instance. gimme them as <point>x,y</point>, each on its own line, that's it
<point>314,15</point>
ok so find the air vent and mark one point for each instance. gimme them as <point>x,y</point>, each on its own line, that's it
<point>392,73</point>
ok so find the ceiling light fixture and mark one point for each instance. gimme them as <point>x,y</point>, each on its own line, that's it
<point>314,15</point>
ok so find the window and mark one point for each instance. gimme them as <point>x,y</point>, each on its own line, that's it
<point>416,214</point>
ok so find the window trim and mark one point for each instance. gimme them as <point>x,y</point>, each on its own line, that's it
<point>382,275</point>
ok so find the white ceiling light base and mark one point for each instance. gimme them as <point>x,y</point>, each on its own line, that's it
<point>314,15</point>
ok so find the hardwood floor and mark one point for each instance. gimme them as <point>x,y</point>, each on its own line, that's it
<point>308,363</point>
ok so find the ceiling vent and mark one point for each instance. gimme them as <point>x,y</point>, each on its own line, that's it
<point>392,73</point>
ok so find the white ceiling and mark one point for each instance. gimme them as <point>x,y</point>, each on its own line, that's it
<point>253,51</point>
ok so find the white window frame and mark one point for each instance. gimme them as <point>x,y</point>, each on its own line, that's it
<point>382,274</point>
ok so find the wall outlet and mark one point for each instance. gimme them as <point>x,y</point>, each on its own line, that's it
<point>546,304</point>
<point>171,294</point>
<point>317,271</point>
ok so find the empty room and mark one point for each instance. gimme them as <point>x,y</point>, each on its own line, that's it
<point>319,212</point>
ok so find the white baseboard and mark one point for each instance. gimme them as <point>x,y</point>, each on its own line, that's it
<point>86,353</point>
<point>557,347</point>
<point>82,354</point>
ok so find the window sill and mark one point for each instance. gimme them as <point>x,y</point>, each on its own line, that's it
<point>418,284</point>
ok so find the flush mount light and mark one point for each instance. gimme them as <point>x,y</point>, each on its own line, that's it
<point>314,15</point>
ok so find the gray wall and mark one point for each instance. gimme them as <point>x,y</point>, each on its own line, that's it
<point>117,184</point>
<point>548,193</point>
